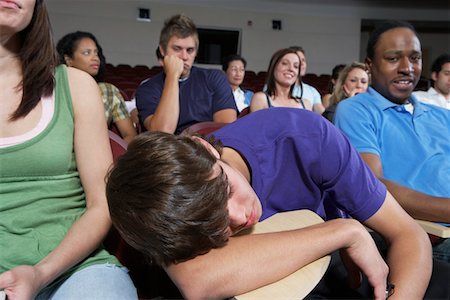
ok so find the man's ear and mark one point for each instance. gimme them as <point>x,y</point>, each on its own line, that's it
<point>434,76</point>
<point>368,63</point>
<point>207,145</point>
<point>161,50</point>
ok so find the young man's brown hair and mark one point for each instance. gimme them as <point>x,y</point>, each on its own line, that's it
<point>180,26</point>
<point>166,200</point>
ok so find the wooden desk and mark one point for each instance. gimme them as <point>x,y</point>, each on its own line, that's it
<point>300,283</point>
<point>435,229</point>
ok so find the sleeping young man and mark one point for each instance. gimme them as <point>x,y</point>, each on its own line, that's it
<point>181,199</point>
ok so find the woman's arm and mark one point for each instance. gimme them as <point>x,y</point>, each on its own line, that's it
<point>126,129</point>
<point>259,101</point>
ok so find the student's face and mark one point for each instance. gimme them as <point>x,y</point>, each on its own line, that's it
<point>15,15</point>
<point>356,82</point>
<point>235,73</point>
<point>397,64</point>
<point>442,80</point>
<point>185,49</point>
<point>244,207</point>
<point>286,71</point>
<point>85,57</point>
<point>303,61</point>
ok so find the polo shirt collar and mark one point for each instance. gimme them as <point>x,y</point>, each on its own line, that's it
<point>382,103</point>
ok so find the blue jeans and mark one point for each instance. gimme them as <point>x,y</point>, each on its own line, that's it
<point>102,281</point>
<point>441,251</point>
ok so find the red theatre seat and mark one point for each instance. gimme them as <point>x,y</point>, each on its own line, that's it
<point>203,128</point>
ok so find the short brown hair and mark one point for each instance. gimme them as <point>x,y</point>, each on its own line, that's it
<point>180,26</point>
<point>164,199</point>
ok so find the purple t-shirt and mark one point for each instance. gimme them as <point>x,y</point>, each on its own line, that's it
<point>202,94</point>
<point>299,160</point>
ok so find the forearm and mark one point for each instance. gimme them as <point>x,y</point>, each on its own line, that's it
<point>126,128</point>
<point>227,115</point>
<point>419,205</point>
<point>410,263</point>
<point>83,238</point>
<point>166,116</point>
<point>409,253</point>
<point>252,261</point>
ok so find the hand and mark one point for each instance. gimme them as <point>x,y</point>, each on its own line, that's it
<point>173,66</point>
<point>21,283</point>
<point>363,256</point>
<point>351,93</point>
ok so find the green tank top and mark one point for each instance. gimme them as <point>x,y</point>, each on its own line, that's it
<point>40,190</point>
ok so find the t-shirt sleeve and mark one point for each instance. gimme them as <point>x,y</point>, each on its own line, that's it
<point>147,98</point>
<point>119,109</point>
<point>316,96</point>
<point>346,180</point>
<point>358,125</point>
<point>223,96</point>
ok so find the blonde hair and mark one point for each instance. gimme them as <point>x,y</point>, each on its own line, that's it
<point>339,93</point>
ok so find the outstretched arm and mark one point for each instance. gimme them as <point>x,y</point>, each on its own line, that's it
<point>251,261</point>
<point>417,204</point>
<point>167,112</point>
<point>409,249</point>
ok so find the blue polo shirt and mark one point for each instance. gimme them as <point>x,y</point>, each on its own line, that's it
<point>201,95</point>
<point>299,160</point>
<point>414,148</point>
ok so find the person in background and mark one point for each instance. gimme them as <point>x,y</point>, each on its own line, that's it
<point>183,95</point>
<point>352,80</point>
<point>405,142</point>
<point>81,50</point>
<point>234,67</point>
<point>334,76</point>
<point>439,94</point>
<point>283,72</point>
<point>303,90</point>
<point>54,156</point>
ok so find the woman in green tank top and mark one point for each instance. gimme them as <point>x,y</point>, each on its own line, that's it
<point>54,155</point>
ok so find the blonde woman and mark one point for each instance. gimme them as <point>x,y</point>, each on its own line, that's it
<point>352,80</point>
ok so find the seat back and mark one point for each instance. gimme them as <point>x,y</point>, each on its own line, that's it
<point>244,112</point>
<point>118,145</point>
<point>203,128</point>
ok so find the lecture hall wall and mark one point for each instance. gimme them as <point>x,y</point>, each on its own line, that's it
<point>330,34</point>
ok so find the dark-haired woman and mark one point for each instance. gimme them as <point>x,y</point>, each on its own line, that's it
<point>81,50</point>
<point>283,72</point>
